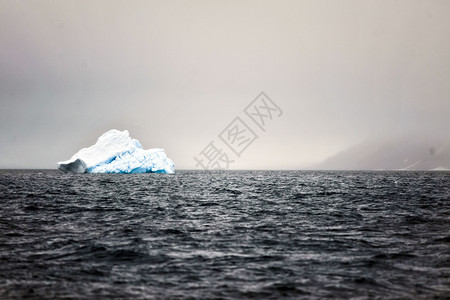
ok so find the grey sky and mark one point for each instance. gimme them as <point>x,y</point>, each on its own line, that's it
<point>175,73</point>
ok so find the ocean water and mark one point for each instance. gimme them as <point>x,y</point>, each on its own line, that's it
<point>225,235</point>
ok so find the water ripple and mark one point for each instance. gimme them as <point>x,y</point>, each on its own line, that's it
<point>227,235</point>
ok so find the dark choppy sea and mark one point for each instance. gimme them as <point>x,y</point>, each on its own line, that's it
<point>227,235</point>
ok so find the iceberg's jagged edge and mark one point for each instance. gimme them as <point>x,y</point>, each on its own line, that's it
<point>116,152</point>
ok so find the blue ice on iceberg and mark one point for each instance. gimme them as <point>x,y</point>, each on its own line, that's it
<point>116,152</point>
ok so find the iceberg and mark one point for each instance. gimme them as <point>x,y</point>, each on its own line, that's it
<point>116,152</point>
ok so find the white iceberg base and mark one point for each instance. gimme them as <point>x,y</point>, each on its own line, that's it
<point>116,152</point>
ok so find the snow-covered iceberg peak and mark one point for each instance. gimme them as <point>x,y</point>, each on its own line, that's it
<point>116,152</point>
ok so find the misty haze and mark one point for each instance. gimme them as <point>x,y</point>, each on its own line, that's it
<point>175,74</point>
<point>216,149</point>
